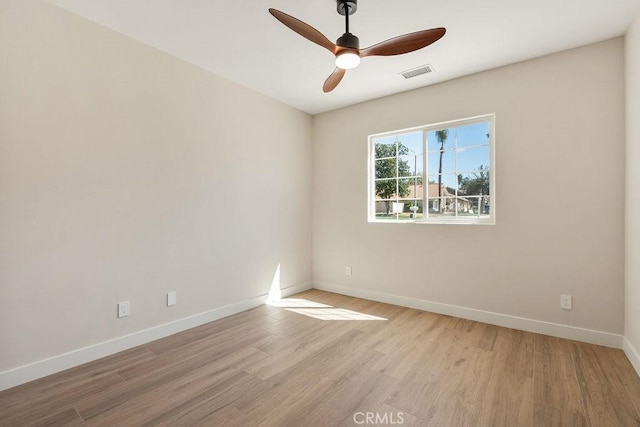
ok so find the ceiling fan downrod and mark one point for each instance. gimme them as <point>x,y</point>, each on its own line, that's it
<point>348,40</point>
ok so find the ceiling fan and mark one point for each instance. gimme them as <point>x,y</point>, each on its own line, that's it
<point>347,48</point>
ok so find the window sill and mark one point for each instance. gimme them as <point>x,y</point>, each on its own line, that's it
<point>436,222</point>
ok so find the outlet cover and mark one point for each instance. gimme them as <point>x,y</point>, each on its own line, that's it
<point>565,302</point>
<point>172,298</point>
<point>348,270</point>
<point>123,309</point>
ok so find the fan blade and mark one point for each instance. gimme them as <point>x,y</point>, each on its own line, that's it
<point>404,44</point>
<point>333,80</point>
<point>304,29</point>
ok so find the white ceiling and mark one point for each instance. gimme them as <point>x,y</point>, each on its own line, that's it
<point>241,41</point>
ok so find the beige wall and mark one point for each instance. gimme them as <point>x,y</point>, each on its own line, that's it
<point>560,195</point>
<point>126,173</point>
<point>632,259</point>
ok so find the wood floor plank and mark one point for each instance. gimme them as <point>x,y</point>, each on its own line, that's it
<point>547,344</point>
<point>458,401</point>
<point>514,350</point>
<point>394,417</point>
<point>507,400</point>
<point>434,357</point>
<point>290,392</point>
<point>80,376</point>
<point>624,371</point>
<point>556,383</point>
<point>225,332</point>
<point>214,403</point>
<point>203,350</point>
<point>548,416</point>
<point>483,336</point>
<point>298,352</point>
<point>141,408</point>
<point>604,397</point>
<point>35,407</point>
<point>360,390</point>
<point>228,416</point>
<point>273,366</point>
<point>67,418</point>
<point>194,373</point>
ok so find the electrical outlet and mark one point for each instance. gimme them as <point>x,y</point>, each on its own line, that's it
<point>171,298</point>
<point>565,302</point>
<point>123,308</point>
<point>348,270</point>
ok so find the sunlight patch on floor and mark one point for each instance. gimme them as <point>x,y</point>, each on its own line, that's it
<point>319,310</point>
<point>334,314</point>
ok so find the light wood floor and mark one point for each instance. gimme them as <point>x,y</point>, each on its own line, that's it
<point>274,366</point>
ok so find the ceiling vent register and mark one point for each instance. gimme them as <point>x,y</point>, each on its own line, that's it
<point>423,69</point>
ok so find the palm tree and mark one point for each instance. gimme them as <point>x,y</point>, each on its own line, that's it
<point>441,135</point>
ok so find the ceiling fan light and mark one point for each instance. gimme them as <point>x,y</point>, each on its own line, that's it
<point>347,60</point>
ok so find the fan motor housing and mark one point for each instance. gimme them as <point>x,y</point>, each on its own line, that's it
<point>348,41</point>
<point>345,6</point>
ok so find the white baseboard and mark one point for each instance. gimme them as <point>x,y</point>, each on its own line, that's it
<point>42,368</point>
<point>632,354</point>
<point>508,321</point>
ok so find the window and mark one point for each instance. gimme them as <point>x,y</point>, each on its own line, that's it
<point>441,173</point>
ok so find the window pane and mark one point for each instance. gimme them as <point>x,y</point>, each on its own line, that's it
<point>475,183</point>
<point>462,206</point>
<point>478,206</point>
<point>485,204</point>
<point>411,165</point>
<point>404,167</point>
<point>441,207</point>
<point>417,209</point>
<point>403,187</point>
<point>412,209</point>
<point>415,188</point>
<point>386,217</point>
<point>387,208</point>
<point>444,194</point>
<point>394,209</point>
<point>448,162</point>
<point>449,183</point>
<point>386,189</point>
<point>385,147</point>
<point>473,134</point>
<point>436,137</point>
<point>386,168</point>
<point>410,143</point>
<point>470,159</point>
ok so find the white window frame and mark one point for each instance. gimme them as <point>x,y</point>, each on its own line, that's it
<point>488,220</point>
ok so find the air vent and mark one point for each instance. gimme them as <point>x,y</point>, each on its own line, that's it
<point>423,69</point>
